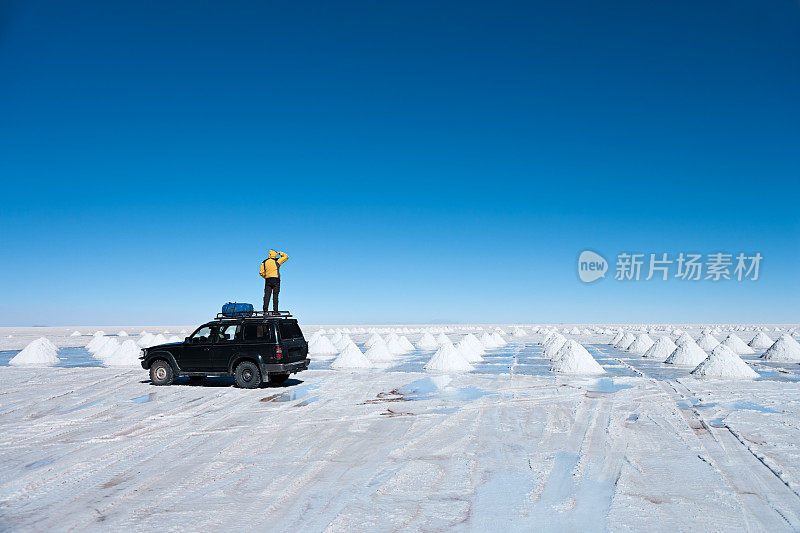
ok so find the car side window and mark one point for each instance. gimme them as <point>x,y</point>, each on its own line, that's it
<point>202,335</point>
<point>227,333</point>
<point>259,333</point>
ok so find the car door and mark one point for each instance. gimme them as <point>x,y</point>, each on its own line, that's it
<point>259,339</point>
<point>196,355</point>
<point>226,344</point>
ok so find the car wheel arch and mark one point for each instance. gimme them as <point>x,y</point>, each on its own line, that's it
<point>240,358</point>
<point>164,356</point>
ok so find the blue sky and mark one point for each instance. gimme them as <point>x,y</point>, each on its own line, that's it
<point>419,161</point>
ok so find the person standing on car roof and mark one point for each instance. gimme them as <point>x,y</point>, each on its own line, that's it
<point>271,272</point>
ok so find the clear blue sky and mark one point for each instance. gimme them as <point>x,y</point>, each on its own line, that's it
<point>419,161</point>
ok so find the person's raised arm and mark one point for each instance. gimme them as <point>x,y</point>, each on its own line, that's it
<point>283,257</point>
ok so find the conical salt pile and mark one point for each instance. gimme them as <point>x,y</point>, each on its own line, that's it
<point>662,348</point>
<point>707,342</point>
<point>519,332</point>
<point>351,357</point>
<point>379,353</point>
<point>736,344</point>
<point>126,355</point>
<point>617,337</point>
<point>105,352</point>
<point>687,353</point>
<point>96,343</point>
<point>474,343</point>
<point>625,341</point>
<point>468,352</point>
<point>488,341</point>
<point>447,359</point>
<point>75,334</point>
<point>553,345</point>
<point>122,333</point>
<point>760,341</point>
<point>322,346</point>
<point>498,340</point>
<point>174,338</point>
<point>144,341</point>
<point>373,339</point>
<point>427,342</point>
<point>784,349</point>
<point>158,339</point>
<point>642,343</point>
<point>724,363</point>
<point>683,337</point>
<point>406,344</point>
<point>573,358</point>
<point>40,352</point>
<point>394,346</point>
<point>442,339</point>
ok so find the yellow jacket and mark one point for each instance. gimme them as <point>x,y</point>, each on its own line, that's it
<point>269,267</point>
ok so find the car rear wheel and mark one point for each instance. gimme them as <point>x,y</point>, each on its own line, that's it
<point>161,373</point>
<point>247,375</point>
<point>277,379</point>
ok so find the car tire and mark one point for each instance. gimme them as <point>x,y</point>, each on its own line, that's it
<point>161,373</point>
<point>247,375</point>
<point>277,379</point>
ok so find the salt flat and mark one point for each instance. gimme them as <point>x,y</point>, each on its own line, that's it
<point>381,450</point>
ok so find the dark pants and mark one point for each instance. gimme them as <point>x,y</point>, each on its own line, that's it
<point>271,285</point>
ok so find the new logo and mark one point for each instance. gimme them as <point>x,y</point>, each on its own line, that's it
<point>591,266</point>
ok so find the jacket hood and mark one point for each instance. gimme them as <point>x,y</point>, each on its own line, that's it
<point>272,254</point>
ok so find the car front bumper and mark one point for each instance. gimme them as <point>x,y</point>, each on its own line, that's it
<point>291,368</point>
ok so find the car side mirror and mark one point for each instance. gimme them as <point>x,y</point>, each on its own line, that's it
<point>186,340</point>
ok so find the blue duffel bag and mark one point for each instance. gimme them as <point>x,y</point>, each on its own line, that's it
<point>237,309</point>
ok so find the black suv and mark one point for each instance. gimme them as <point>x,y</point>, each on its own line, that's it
<point>252,349</point>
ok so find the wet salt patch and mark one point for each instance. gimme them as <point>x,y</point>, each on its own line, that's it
<point>81,406</point>
<point>296,393</point>
<point>608,386</point>
<point>746,405</point>
<point>426,388</point>
<point>144,399</point>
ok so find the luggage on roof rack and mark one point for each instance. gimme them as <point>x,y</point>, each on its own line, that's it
<point>234,309</point>
<point>256,314</point>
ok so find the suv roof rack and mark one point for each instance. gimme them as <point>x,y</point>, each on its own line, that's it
<point>256,314</point>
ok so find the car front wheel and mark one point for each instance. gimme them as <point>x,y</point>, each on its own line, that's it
<point>161,373</point>
<point>247,375</point>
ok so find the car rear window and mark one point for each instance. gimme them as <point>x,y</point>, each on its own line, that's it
<point>259,333</point>
<point>289,330</point>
